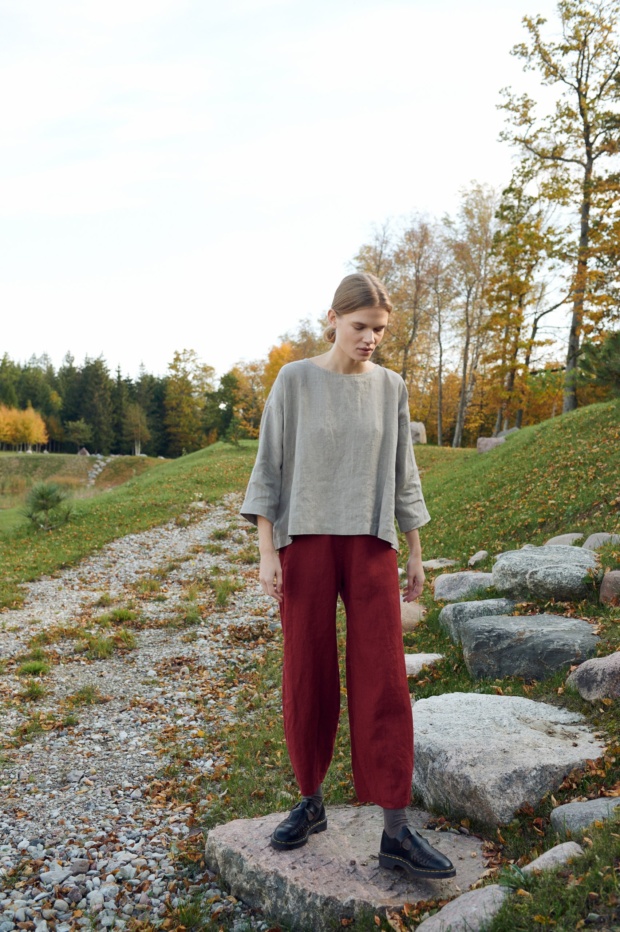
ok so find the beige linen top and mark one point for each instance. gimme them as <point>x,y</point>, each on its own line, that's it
<point>335,456</point>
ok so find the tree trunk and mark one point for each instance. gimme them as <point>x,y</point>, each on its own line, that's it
<point>439,385</point>
<point>572,356</point>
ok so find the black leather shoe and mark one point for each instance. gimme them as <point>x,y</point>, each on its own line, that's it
<point>304,820</point>
<point>411,853</point>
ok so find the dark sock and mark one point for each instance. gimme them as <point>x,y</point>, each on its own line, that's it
<point>393,821</point>
<point>317,797</point>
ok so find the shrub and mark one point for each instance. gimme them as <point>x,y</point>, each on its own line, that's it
<point>46,506</point>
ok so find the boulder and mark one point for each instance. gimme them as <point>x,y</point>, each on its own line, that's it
<point>598,678</point>
<point>438,563</point>
<point>574,817</point>
<point>452,617</point>
<point>450,587</point>
<point>531,646</point>
<point>411,613</point>
<point>610,588</point>
<point>336,875</point>
<point>418,432</point>
<point>470,912</point>
<point>415,662</point>
<point>552,858</point>
<point>563,539</point>
<point>484,444</point>
<point>554,571</point>
<point>595,541</point>
<point>478,557</point>
<point>483,757</point>
<point>507,432</point>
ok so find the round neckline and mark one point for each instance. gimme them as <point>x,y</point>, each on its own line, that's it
<point>346,375</point>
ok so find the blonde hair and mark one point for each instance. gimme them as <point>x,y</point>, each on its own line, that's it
<point>361,289</point>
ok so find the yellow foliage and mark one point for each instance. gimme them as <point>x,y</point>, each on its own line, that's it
<point>21,428</point>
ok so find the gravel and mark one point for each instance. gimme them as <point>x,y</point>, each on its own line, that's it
<point>91,830</point>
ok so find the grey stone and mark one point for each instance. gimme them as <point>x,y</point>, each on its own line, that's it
<point>552,858</point>
<point>337,874</point>
<point>598,678</point>
<point>483,757</point>
<point>438,563</point>
<point>563,539</point>
<point>470,912</point>
<point>484,444</point>
<point>508,432</point>
<point>7,926</point>
<point>74,776</point>
<point>453,617</point>
<point>574,817</point>
<point>418,432</point>
<point>80,865</point>
<point>20,915</point>
<point>594,541</point>
<point>415,662</point>
<point>56,875</point>
<point>95,899</point>
<point>609,593</point>
<point>478,557</point>
<point>531,646</point>
<point>553,571</point>
<point>61,906</point>
<point>450,587</point>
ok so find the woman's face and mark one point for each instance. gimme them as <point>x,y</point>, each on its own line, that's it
<point>358,333</point>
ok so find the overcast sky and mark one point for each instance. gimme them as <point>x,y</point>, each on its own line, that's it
<point>199,173</point>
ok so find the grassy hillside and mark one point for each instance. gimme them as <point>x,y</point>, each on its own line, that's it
<point>560,475</point>
<point>19,472</point>
<point>149,499</point>
<point>557,476</point>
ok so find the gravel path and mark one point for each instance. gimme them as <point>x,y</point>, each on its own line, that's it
<point>98,824</point>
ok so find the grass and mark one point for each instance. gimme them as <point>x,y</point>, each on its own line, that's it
<point>156,496</point>
<point>33,668</point>
<point>223,587</point>
<point>86,696</point>
<point>557,476</point>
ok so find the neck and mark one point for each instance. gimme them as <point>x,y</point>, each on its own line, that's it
<point>337,361</point>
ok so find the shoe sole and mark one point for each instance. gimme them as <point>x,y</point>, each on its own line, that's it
<point>392,861</point>
<point>291,845</point>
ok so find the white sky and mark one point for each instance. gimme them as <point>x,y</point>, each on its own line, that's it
<point>198,173</point>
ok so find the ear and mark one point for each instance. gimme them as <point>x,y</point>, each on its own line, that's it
<point>332,316</point>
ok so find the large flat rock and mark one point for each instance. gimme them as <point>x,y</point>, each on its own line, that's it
<point>531,646</point>
<point>553,571</point>
<point>336,875</point>
<point>453,617</point>
<point>483,757</point>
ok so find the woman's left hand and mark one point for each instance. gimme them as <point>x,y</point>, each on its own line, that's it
<point>415,579</point>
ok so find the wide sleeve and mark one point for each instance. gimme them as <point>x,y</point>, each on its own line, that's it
<point>262,496</point>
<point>410,508</point>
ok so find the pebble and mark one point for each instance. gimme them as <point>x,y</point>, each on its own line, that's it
<point>87,814</point>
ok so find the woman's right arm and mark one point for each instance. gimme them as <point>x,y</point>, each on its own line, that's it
<point>270,572</point>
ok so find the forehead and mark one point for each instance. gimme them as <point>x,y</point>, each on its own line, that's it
<point>369,316</point>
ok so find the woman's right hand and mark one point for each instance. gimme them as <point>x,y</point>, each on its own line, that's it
<point>270,575</point>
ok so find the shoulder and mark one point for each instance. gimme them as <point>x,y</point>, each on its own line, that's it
<point>393,380</point>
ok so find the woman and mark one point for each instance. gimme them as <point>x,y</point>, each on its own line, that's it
<point>335,465</point>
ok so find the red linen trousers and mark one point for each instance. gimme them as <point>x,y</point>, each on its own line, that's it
<point>363,570</point>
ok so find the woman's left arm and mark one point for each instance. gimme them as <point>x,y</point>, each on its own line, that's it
<point>415,570</point>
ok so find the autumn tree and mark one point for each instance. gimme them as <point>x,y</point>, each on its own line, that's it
<point>574,147</point>
<point>187,385</point>
<point>470,239</point>
<point>135,427</point>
